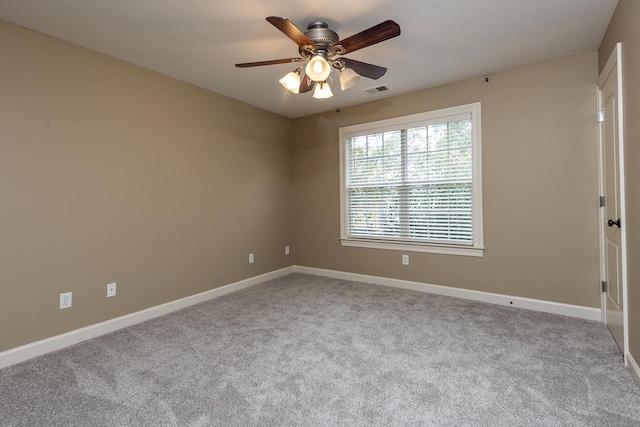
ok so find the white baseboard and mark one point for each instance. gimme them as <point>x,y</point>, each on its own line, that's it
<point>633,367</point>
<point>28,351</point>
<point>578,311</point>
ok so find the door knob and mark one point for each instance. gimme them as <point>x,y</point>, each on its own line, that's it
<point>612,223</point>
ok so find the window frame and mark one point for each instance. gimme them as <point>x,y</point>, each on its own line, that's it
<point>430,117</point>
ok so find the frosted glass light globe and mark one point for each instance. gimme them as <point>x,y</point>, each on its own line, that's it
<point>318,69</point>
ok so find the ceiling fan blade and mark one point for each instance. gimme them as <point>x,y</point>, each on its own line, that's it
<point>376,34</point>
<point>291,31</point>
<point>306,84</point>
<point>272,62</point>
<point>364,69</point>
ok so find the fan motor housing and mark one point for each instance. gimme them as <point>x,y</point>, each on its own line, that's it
<point>319,33</point>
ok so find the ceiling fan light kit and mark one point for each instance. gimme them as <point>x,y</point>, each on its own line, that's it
<point>319,46</point>
<point>348,78</point>
<point>318,69</point>
<point>291,81</point>
<point>322,91</point>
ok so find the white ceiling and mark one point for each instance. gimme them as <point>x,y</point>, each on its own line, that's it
<point>199,41</point>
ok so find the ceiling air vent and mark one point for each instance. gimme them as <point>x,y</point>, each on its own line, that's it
<point>376,89</point>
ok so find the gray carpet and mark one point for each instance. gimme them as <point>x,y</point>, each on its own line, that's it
<point>308,350</point>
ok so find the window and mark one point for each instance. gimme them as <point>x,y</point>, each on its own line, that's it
<point>414,183</point>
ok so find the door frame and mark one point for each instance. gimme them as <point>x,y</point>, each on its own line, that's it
<point>614,59</point>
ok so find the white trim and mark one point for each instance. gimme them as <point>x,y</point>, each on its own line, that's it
<point>633,367</point>
<point>608,67</point>
<point>28,351</point>
<point>473,111</point>
<point>601,209</point>
<point>476,184</point>
<point>419,118</point>
<point>589,313</point>
<point>343,193</point>
<point>615,59</point>
<point>417,247</point>
<point>623,203</point>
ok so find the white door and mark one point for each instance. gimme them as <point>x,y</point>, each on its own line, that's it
<point>613,257</point>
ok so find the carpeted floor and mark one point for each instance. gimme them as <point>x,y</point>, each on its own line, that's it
<point>309,350</point>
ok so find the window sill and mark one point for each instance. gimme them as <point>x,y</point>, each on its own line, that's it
<point>414,247</point>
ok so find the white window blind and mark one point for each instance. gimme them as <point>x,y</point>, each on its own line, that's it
<point>412,182</point>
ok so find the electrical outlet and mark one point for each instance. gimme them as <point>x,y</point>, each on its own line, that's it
<point>250,258</point>
<point>405,259</point>
<point>111,290</point>
<point>65,300</point>
<point>286,250</point>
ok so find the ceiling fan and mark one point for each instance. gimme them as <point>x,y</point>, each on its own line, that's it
<point>320,47</point>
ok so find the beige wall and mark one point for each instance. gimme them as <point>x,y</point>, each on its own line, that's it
<point>109,172</point>
<point>624,28</point>
<point>539,186</point>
